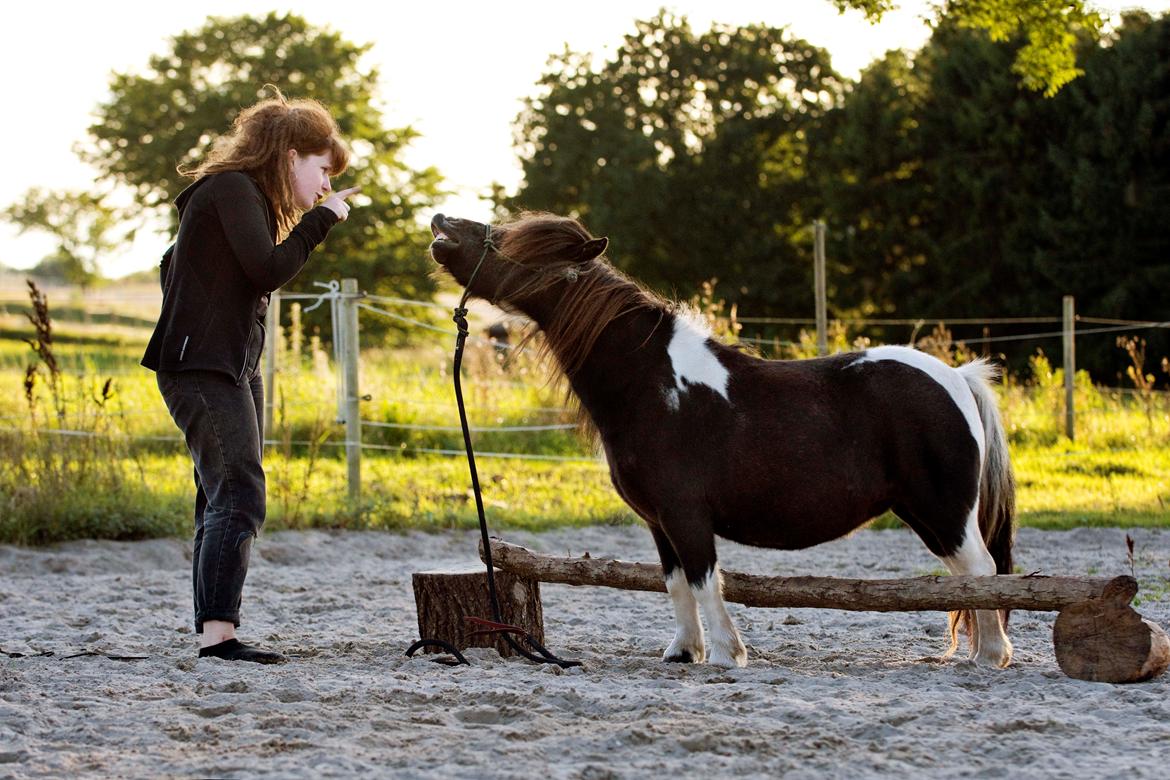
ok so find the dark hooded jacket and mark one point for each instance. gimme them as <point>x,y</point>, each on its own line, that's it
<point>217,277</point>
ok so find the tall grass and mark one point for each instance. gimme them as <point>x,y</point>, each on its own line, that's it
<point>88,449</point>
<point>67,445</point>
<point>92,452</point>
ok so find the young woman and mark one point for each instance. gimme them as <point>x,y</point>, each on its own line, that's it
<point>246,226</point>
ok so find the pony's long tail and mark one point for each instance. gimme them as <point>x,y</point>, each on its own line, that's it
<point>997,484</point>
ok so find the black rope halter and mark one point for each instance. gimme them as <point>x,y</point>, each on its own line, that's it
<point>498,626</point>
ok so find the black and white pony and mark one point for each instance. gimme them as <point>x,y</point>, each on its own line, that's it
<point>704,440</point>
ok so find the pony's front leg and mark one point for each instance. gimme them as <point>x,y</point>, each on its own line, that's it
<point>687,645</point>
<point>727,648</point>
<point>700,580</point>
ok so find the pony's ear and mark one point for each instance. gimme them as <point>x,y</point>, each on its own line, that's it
<point>592,249</point>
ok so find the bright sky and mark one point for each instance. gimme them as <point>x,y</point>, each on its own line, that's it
<point>456,70</point>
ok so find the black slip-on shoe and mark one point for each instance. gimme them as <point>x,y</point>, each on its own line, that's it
<point>235,650</point>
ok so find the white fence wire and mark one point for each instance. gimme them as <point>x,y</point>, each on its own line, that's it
<point>337,300</point>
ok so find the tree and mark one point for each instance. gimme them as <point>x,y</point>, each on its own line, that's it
<point>983,139</point>
<point>1046,61</point>
<point>689,148</point>
<point>1102,235</point>
<point>867,161</point>
<point>951,190</point>
<point>85,227</point>
<point>172,112</point>
<point>934,179</point>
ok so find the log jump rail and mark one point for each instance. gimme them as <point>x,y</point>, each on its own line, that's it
<point>1097,635</point>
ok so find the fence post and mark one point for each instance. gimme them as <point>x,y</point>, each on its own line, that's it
<point>350,389</point>
<point>819,287</point>
<point>271,330</point>
<point>1070,364</point>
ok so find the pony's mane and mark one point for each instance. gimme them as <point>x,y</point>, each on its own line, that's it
<point>600,294</point>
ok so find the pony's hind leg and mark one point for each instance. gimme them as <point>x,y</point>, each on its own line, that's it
<point>990,645</point>
<point>687,645</point>
<point>694,547</point>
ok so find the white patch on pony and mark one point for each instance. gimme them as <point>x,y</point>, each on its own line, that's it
<point>952,381</point>
<point>990,646</point>
<point>688,639</point>
<point>726,647</point>
<point>972,556</point>
<point>692,360</point>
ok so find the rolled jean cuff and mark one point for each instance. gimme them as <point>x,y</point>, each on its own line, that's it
<point>226,617</point>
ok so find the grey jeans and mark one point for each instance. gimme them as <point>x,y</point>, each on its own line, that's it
<point>222,423</point>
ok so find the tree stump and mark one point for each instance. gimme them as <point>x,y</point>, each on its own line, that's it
<point>1105,640</point>
<point>445,598</point>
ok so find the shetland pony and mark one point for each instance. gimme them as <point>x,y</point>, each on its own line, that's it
<point>703,440</point>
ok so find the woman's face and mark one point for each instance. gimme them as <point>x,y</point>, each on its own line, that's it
<point>310,177</point>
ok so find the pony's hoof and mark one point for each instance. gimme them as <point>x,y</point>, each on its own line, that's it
<point>729,659</point>
<point>993,660</point>
<point>682,651</point>
<point>683,657</point>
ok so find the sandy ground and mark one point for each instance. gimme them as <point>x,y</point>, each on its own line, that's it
<point>825,694</point>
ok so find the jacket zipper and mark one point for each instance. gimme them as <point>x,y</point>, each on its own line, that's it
<point>183,351</point>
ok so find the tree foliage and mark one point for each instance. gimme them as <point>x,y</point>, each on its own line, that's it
<point>953,170</point>
<point>865,158</point>
<point>1102,228</point>
<point>84,226</point>
<point>1046,61</point>
<point>979,197</point>
<point>171,112</point>
<point>951,188</point>
<point>687,147</point>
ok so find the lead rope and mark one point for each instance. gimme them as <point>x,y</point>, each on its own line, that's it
<point>505,630</point>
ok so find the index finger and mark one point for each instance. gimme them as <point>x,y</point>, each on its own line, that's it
<point>347,192</point>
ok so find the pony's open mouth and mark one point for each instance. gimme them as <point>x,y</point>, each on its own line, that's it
<point>437,230</point>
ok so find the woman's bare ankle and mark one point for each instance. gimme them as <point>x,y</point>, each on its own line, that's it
<point>216,631</point>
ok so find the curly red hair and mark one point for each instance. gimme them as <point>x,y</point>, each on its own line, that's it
<point>258,144</point>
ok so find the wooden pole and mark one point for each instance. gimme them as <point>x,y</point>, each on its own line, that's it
<point>296,334</point>
<point>350,349</point>
<point>819,288</point>
<point>1097,635</point>
<point>943,594</point>
<point>1070,365</point>
<point>271,331</point>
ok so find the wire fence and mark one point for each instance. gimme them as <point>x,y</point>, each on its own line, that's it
<point>393,308</point>
<point>401,318</point>
<point>404,449</point>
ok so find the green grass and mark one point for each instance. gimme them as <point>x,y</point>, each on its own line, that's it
<point>137,484</point>
<point>134,480</point>
<point>435,493</point>
<point>154,497</point>
<point>1068,486</point>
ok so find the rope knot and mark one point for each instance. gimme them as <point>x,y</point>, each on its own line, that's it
<point>332,291</point>
<point>460,320</point>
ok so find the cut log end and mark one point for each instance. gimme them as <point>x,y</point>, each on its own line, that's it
<point>445,599</point>
<point>1105,640</point>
